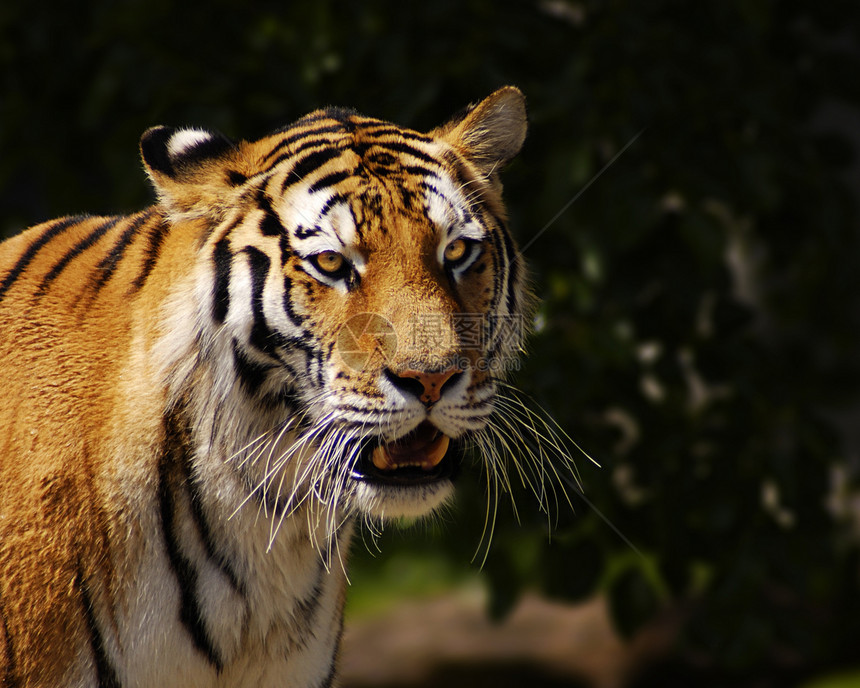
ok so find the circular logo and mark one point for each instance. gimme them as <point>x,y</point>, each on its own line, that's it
<point>365,340</point>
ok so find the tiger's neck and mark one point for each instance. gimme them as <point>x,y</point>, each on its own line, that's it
<point>259,593</point>
<point>259,582</point>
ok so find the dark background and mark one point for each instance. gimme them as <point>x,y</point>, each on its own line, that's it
<point>698,332</point>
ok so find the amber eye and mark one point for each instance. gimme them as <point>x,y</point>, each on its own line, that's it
<point>329,262</point>
<point>456,250</point>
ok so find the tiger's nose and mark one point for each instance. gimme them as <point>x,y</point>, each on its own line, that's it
<point>426,385</point>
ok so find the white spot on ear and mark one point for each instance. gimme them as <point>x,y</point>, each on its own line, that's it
<point>184,140</point>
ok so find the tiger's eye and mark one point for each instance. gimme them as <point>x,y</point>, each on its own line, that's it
<point>456,250</point>
<point>329,261</point>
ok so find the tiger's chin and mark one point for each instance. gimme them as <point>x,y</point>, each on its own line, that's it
<point>408,478</point>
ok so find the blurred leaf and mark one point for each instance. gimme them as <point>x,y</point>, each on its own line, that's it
<point>632,601</point>
<point>844,680</point>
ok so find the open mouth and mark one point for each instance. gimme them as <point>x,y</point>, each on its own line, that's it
<point>425,455</point>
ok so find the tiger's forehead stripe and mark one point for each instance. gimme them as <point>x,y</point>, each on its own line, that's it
<point>310,134</point>
<point>356,133</point>
<point>318,216</point>
<point>307,165</point>
<point>386,129</point>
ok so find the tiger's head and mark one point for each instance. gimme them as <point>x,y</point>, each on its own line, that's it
<point>357,298</point>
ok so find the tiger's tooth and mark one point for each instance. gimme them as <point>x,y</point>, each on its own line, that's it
<point>380,459</point>
<point>437,451</point>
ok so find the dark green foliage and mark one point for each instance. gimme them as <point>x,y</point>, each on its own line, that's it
<point>700,299</point>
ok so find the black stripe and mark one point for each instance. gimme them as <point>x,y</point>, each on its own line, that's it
<point>76,250</point>
<point>222,259</point>
<point>318,359</point>
<point>340,199</point>
<point>421,171</point>
<point>286,250</point>
<point>513,269</point>
<point>108,265</point>
<point>386,129</point>
<point>513,277</point>
<point>382,159</point>
<point>432,188</point>
<point>307,165</point>
<point>303,232</point>
<point>251,375</point>
<point>261,335</point>
<point>301,343</point>
<point>329,680</point>
<point>271,226</point>
<point>499,266</point>
<point>296,318</point>
<point>355,409</point>
<point>153,148</point>
<point>105,673</point>
<point>7,679</point>
<point>499,279</point>
<point>512,260</point>
<point>198,513</point>
<point>330,180</point>
<point>308,133</point>
<point>334,200</point>
<point>190,613</point>
<point>53,230</point>
<point>329,141</point>
<point>405,148</point>
<point>302,147</point>
<point>156,238</point>
<point>235,178</point>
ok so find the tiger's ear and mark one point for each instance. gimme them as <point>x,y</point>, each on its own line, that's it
<point>490,133</point>
<point>192,170</point>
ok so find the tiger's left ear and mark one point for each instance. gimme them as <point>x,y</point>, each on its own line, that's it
<point>490,133</point>
<point>193,170</point>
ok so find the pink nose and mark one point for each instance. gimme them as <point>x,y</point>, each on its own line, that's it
<point>429,385</point>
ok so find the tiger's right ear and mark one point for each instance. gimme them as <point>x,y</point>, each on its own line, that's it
<point>491,132</point>
<point>192,170</point>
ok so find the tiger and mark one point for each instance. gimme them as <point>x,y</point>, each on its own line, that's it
<point>203,401</point>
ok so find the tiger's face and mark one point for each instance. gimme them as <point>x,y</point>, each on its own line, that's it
<point>361,284</point>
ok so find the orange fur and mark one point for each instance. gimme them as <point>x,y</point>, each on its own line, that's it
<point>133,361</point>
